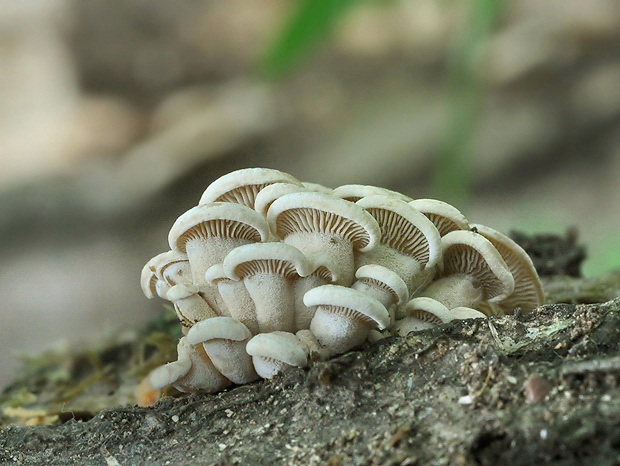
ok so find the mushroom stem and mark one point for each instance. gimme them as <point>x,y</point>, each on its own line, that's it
<point>189,304</point>
<point>224,340</point>
<point>329,250</point>
<point>303,313</point>
<point>192,371</point>
<point>236,296</point>
<point>273,297</point>
<point>456,290</point>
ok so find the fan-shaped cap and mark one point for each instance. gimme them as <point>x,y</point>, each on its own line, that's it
<point>444,216</point>
<point>148,282</point>
<point>348,300</point>
<point>277,258</point>
<point>279,346</point>
<point>315,212</point>
<point>385,279</point>
<point>149,278</point>
<point>316,187</point>
<point>528,292</point>
<point>181,291</point>
<point>224,328</point>
<point>405,229</point>
<point>242,186</point>
<point>270,193</point>
<point>355,192</point>
<point>468,253</point>
<point>173,258</point>
<point>462,313</point>
<point>429,310</point>
<point>218,219</point>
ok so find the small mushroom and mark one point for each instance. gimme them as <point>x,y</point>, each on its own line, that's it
<point>325,229</point>
<point>234,293</point>
<point>174,268</point>
<point>270,193</point>
<point>190,305</point>
<point>382,284</point>
<point>528,293</point>
<point>410,244</point>
<point>242,186</point>
<point>304,314</point>
<point>355,192</point>
<point>224,340</point>
<point>344,316</point>
<point>316,188</point>
<point>207,233</point>
<point>444,216</point>
<point>192,371</point>
<point>473,271</point>
<point>275,352</point>
<point>422,313</point>
<point>151,283</point>
<point>268,271</point>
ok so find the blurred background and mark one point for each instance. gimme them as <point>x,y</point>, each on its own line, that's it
<point>116,114</point>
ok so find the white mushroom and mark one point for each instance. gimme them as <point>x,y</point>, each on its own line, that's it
<point>344,316</point>
<point>207,233</point>
<point>268,271</point>
<point>275,352</point>
<point>192,371</point>
<point>410,244</point>
<point>316,187</point>
<point>355,192</point>
<point>304,314</point>
<point>422,313</point>
<point>473,271</point>
<point>382,284</point>
<point>270,193</point>
<point>242,186</point>
<point>444,216</point>
<point>234,293</point>
<point>325,229</point>
<point>528,293</point>
<point>224,340</point>
<point>190,305</point>
<point>174,268</point>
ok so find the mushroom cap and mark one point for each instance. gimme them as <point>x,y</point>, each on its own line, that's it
<point>279,346</point>
<point>217,219</point>
<point>316,187</point>
<point>224,328</point>
<point>150,277</point>
<point>348,300</point>
<point>355,192</point>
<point>148,282</point>
<point>168,259</point>
<point>404,228</point>
<point>270,193</point>
<point>468,253</point>
<point>316,212</point>
<point>242,186</point>
<point>428,310</point>
<point>181,291</point>
<point>215,273</point>
<point>462,313</point>
<point>444,216</point>
<point>278,258</point>
<point>386,279</point>
<point>528,293</point>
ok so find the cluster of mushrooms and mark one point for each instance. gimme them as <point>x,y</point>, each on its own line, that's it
<point>267,273</point>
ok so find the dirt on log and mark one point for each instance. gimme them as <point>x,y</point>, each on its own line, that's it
<point>524,389</point>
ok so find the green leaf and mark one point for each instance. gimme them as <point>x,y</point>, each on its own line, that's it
<point>310,23</point>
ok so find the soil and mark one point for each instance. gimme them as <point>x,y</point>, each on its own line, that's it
<point>525,389</point>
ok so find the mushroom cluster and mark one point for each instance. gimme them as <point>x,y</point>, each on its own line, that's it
<point>267,273</point>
